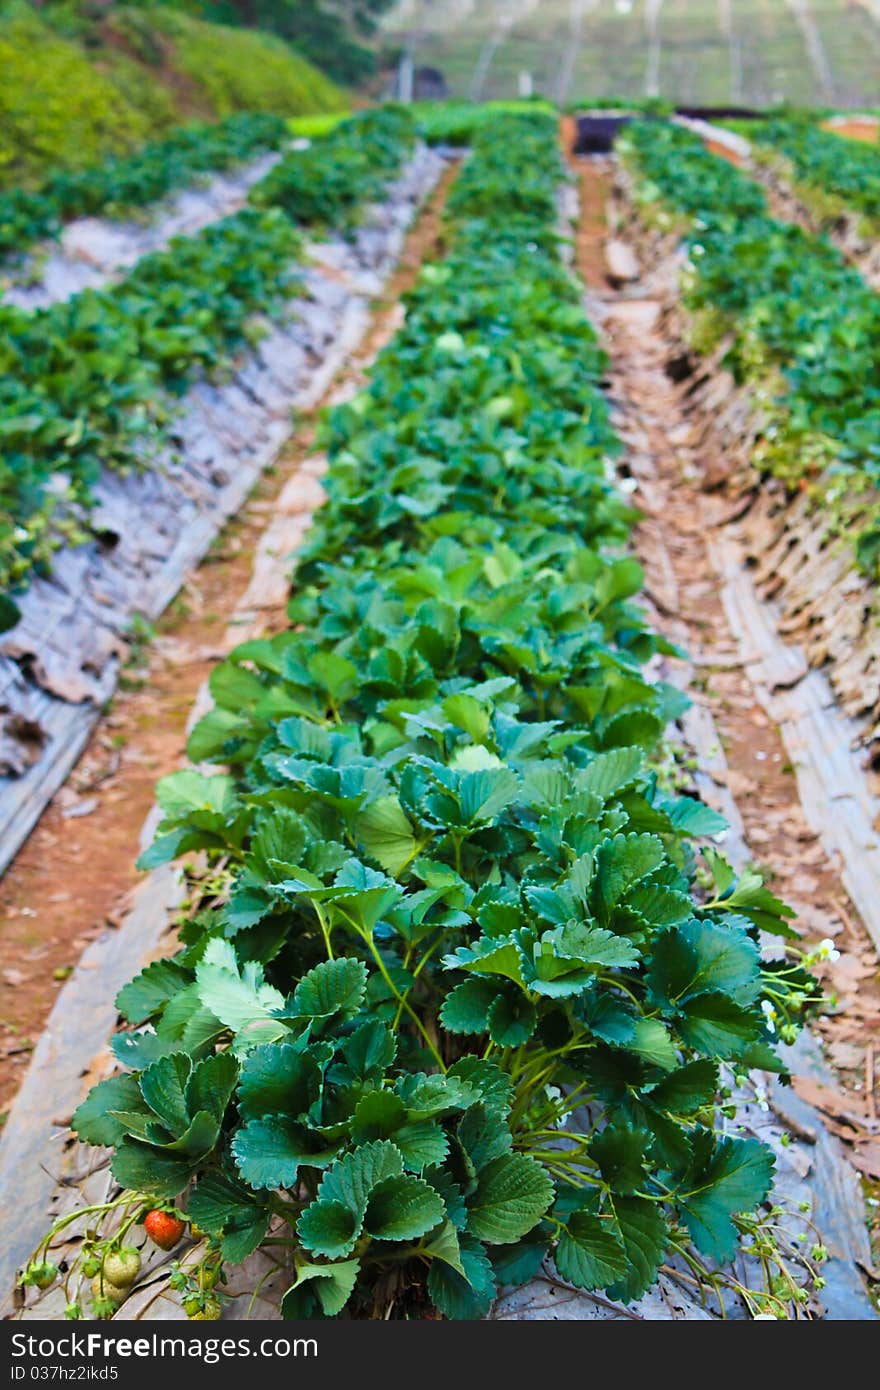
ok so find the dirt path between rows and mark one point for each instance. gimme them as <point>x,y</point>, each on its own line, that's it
<point>683,591</point>
<point>74,874</point>
<point>866,129</point>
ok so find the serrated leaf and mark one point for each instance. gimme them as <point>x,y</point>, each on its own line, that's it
<point>469,714</point>
<point>151,990</point>
<point>93,1120</point>
<point>370,1049</point>
<point>163,1086</point>
<point>227,1210</point>
<point>620,863</point>
<point>733,1176</point>
<point>650,1039</point>
<point>516,1264</point>
<point>353,1177</point>
<point>188,790</point>
<point>493,1086</point>
<point>466,1008</point>
<point>610,772</point>
<point>488,956</point>
<point>481,1135</point>
<point>197,1139</point>
<point>696,958</point>
<point>594,946</point>
<point>428,1096</point>
<point>402,1209</point>
<point>620,1151</point>
<point>445,1246</point>
<point>691,817</point>
<point>688,1088</point>
<point>329,1227</point>
<point>377,1115</point>
<point>513,1193</point>
<point>620,579</point>
<point>590,1252</point>
<point>142,1168</point>
<point>269,1152</point>
<point>718,1027</point>
<point>422,1144</point>
<point>331,988</point>
<point>512,1019</point>
<point>239,997</point>
<point>387,835</point>
<point>211,1085</point>
<point>645,1235</point>
<point>333,1286</point>
<point>750,897</point>
<point>278,1078</point>
<point>463,1297</point>
<point>485,794</point>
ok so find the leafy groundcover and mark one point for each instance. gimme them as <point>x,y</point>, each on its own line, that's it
<point>453,896</point>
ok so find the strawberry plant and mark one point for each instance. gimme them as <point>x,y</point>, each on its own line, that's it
<point>792,305</point>
<point>325,185</point>
<point>457,997</point>
<point>126,182</point>
<point>85,382</point>
<point>828,164</point>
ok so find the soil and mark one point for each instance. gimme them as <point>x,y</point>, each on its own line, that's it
<point>725,151</point>
<point>683,588</point>
<point>591,224</point>
<point>866,129</point>
<point>73,876</point>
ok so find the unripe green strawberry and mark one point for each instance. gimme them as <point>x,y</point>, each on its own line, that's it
<point>103,1291</point>
<point>209,1311</point>
<point>41,1274</point>
<point>122,1266</point>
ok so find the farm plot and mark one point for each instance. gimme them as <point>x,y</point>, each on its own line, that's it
<point>451,890</point>
<point>761,730</point>
<point>119,186</point>
<point>828,183</point>
<point>800,330</point>
<point>122,378</point>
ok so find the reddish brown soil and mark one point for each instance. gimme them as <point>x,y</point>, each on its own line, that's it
<point>73,875</point>
<point>719,148</point>
<point>591,226</point>
<point>864,129</point>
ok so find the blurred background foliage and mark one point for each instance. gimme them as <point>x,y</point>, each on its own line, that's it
<point>83,79</point>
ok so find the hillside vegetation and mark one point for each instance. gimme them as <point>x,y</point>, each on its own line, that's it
<point>75,91</point>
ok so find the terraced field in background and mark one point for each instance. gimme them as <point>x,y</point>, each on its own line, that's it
<point>695,51</point>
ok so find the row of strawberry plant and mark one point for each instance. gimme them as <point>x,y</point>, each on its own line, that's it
<point>125,183</point>
<point>801,319</point>
<point>326,184</point>
<point>85,381</point>
<point>837,174</point>
<point>453,892</point>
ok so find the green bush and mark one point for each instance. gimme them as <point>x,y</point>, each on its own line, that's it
<point>75,90</point>
<point>157,104</point>
<point>237,69</point>
<point>55,107</point>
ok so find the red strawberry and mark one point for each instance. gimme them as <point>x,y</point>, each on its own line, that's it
<point>163,1229</point>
